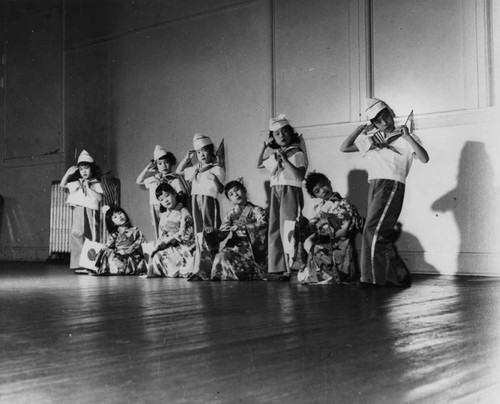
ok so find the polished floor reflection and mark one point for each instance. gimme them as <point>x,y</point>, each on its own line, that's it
<point>79,339</point>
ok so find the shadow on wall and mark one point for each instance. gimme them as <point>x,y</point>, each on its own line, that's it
<point>357,190</point>
<point>474,202</point>
<point>413,250</point>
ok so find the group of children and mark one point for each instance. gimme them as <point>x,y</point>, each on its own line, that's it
<point>248,244</point>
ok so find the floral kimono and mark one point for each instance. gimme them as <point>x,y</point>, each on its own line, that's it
<point>123,253</point>
<point>176,244</point>
<point>244,256</point>
<point>331,259</point>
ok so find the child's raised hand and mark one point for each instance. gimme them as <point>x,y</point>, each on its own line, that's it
<point>368,127</point>
<point>190,154</point>
<point>405,133</point>
<point>151,166</point>
<point>72,170</point>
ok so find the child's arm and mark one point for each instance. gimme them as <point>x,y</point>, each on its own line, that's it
<point>150,168</point>
<point>212,177</point>
<point>69,173</point>
<point>187,158</point>
<point>297,172</point>
<point>91,192</point>
<point>419,150</point>
<point>265,146</point>
<point>348,145</point>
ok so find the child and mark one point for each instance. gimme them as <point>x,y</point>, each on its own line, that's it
<point>389,153</point>
<point>207,179</point>
<point>85,194</point>
<point>172,255</point>
<point>161,167</point>
<point>334,220</point>
<point>123,253</point>
<point>244,255</point>
<point>287,164</point>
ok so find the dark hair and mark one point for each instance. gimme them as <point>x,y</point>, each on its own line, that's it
<point>112,228</point>
<point>314,178</point>
<point>210,147</point>
<point>233,184</point>
<point>167,188</point>
<point>273,145</point>
<point>170,158</point>
<point>387,109</point>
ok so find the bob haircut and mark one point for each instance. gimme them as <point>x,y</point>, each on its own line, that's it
<point>233,184</point>
<point>313,179</point>
<point>295,137</point>
<point>170,158</point>
<point>165,188</point>
<point>112,228</point>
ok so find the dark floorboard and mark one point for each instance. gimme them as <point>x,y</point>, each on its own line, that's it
<point>69,338</point>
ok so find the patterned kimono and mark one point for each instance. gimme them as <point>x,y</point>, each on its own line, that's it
<point>331,259</point>
<point>244,256</point>
<point>176,244</point>
<point>123,253</point>
<point>180,186</point>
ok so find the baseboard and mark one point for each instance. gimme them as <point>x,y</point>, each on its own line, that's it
<point>23,253</point>
<point>475,264</point>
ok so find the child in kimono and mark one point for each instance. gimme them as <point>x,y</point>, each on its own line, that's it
<point>85,195</point>
<point>330,248</point>
<point>389,153</point>
<point>283,157</point>
<point>123,252</point>
<point>159,171</point>
<point>207,182</point>
<point>172,255</point>
<point>244,255</point>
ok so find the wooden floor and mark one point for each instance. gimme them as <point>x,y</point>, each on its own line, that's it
<point>69,338</point>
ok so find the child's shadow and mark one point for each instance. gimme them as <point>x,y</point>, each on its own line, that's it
<point>474,203</point>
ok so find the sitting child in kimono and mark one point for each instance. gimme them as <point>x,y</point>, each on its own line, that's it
<point>334,221</point>
<point>244,255</point>
<point>172,255</point>
<point>123,252</point>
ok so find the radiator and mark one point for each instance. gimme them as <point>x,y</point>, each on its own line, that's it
<point>60,220</point>
<point>61,214</point>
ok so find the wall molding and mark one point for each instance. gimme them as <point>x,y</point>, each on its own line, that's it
<point>45,159</point>
<point>152,27</point>
<point>422,122</point>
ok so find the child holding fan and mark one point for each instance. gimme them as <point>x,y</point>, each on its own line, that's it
<point>244,255</point>
<point>389,152</point>
<point>85,194</point>
<point>284,158</point>
<point>207,182</point>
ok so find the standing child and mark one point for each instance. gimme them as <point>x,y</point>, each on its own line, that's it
<point>334,221</point>
<point>207,182</point>
<point>282,156</point>
<point>85,194</point>
<point>389,153</point>
<point>244,255</point>
<point>123,252</point>
<point>159,171</point>
<point>172,255</point>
